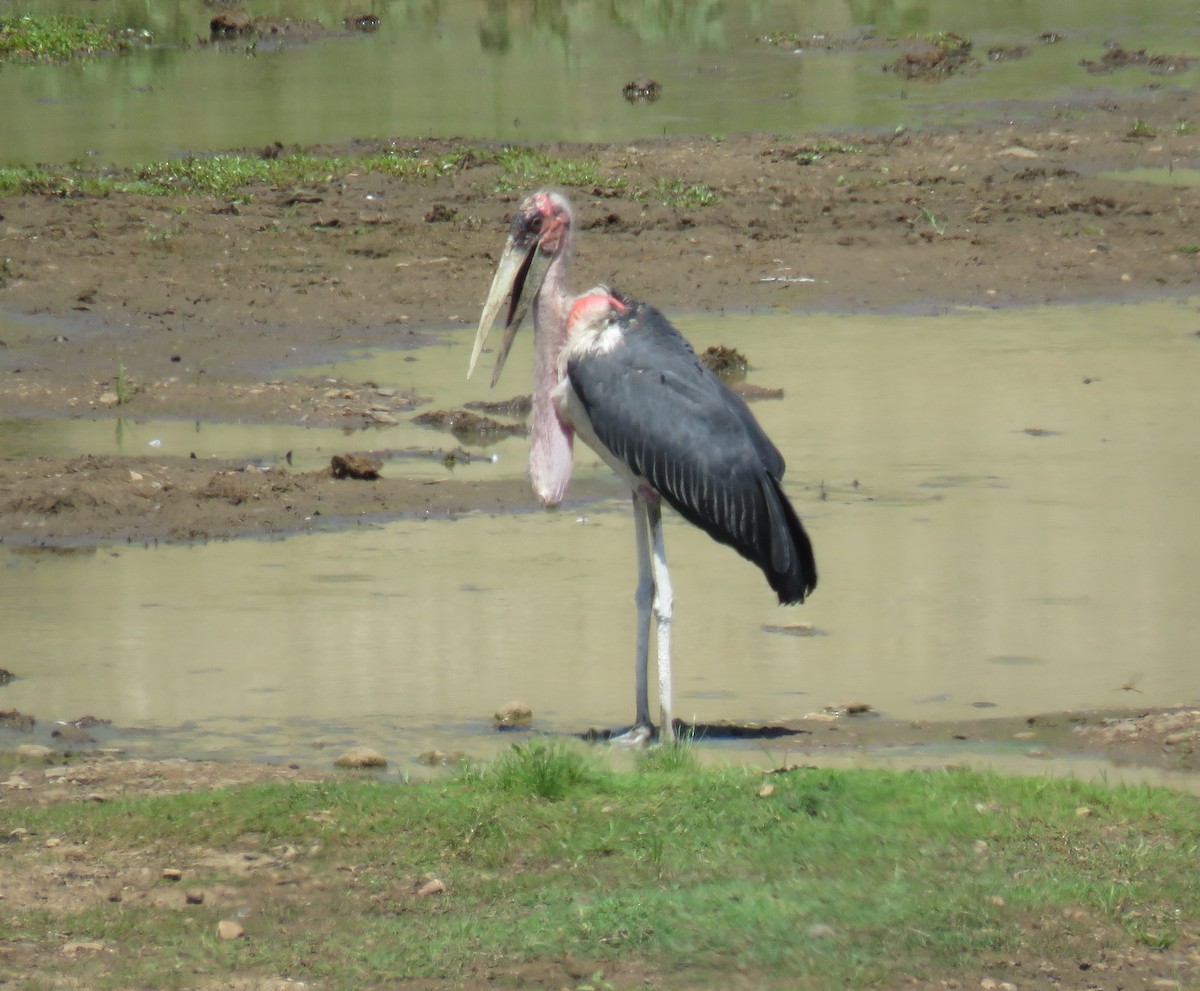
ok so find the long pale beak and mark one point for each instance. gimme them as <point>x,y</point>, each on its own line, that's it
<point>518,269</point>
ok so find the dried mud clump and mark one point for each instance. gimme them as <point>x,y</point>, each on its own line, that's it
<point>1002,54</point>
<point>230,24</point>
<point>465,424</point>
<point>947,55</point>
<point>359,466</point>
<point>726,363</point>
<point>518,406</point>
<point>1120,58</point>
<point>362,22</point>
<point>642,90</point>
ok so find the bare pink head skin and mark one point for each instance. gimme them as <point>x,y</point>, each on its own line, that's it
<point>537,254</point>
<point>592,309</point>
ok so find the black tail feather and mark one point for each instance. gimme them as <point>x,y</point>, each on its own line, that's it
<point>788,561</point>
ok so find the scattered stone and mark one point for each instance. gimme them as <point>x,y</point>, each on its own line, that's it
<point>513,714</point>
<point>74,949</point>
<point>857,708</point>
<point>437,758</point>
<point>194,896</point>
<point>1017,151</point>
<point>172,874</point>
<point>109,399</point>
<point>72,734</point>
<point>766,790</point>
<point>358,466</point>
<point>16,782</point>
<point>1083,811</point>
<point>434,886</point>
<point>361,757</point>
<point>6,676</point>
<point>229,929</point>
<point>35,751</point>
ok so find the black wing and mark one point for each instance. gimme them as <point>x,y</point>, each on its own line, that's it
<point>658,409</point>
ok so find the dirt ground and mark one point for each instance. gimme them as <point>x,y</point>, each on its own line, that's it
<point>209,305</point>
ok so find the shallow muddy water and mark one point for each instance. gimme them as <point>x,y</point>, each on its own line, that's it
<point>540,72</point>
<point>1002,504</point>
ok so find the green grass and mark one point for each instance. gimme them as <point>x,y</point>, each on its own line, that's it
<point>851,879</point>
<point>57,39</point>
<point>240,175</point>
<point>528,168</point>
<point>219,175</point>
<point>1142,129</point>
<point>236,174</point>
<point>678,193</point>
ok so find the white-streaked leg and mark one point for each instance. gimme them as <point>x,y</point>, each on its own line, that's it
<point>662,613</point>
<point>643,597</point>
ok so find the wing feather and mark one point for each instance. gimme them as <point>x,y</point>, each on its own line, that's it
<point>672,422</point>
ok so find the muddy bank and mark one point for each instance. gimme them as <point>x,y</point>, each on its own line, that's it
<point>206,308</point>
<point>83,766</point>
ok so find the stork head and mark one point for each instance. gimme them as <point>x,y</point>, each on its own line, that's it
<point>540,232</point>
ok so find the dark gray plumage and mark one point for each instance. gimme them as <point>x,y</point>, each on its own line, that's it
<point>678,427</point>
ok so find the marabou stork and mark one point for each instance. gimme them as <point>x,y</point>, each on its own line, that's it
<point>618,374</point>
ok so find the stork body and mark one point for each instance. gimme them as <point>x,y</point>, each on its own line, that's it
<point>615,372</point>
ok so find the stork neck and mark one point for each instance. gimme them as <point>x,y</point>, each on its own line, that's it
<point>550,440</point>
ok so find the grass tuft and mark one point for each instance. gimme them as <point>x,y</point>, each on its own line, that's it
<point>528,168</point>
<point>57,38</point>
<point>679,194</point>
<point>542,770</point>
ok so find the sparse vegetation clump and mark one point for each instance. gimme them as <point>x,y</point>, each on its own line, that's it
<point>219,175</point>
<point>678,193</point>
<point>527,168</point>
<point>53,38</point>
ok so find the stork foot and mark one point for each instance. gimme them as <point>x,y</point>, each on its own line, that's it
<point>641,735</point>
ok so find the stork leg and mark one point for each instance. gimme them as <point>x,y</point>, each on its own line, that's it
<point>653,596</point>
<point>662,615</point>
